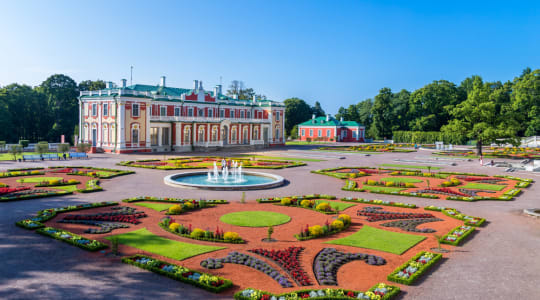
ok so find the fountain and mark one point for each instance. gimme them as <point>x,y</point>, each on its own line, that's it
<point>226,179</point>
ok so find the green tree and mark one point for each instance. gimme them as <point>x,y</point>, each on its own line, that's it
<point>61,93</point>
<point>15,150</point>
<point>526,102</point>
<point>400,109</point>
<point>89,85</point>
<point>296,112</point>
<point>382,114</point>
<point>42,148</point>
<point>365,116</point>
<point>238,88</point>
<point>484,116</point>
<point>63,148</point>
<point>317,110</point>
<point>294,132</point>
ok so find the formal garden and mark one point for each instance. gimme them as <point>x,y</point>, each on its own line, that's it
<point>203,162</point>
<point>372,148</point>
<point>306,246</point>
<point>31,183</point>
<point>496,152</point>
<point>428,184</point>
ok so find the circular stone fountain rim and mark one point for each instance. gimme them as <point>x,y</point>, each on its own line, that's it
<point>278,181</point>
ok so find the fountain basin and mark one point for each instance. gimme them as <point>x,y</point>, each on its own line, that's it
<point>199,180</point>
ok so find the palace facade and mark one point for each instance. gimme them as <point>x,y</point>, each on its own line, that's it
<point>149,118</point>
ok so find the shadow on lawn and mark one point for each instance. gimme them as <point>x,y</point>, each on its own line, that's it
<point>35,266</point>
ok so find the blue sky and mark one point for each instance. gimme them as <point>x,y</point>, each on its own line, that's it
<point>335,52</point>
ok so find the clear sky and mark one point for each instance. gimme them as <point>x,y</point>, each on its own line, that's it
<point>335,52</point>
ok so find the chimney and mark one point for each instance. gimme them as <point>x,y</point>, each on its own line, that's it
<point>327,117</point>
<point>195,85</point>
<point>162,81</point>
<point>108,85</point>
<point>254,98</point>
<point>200,85</point>
<point>124,81</point>
<point>313,116</point>
<point>341,119</point>
<point>219,89</point>
<point>216,91</point>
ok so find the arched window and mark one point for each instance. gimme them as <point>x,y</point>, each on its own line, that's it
<point>255,133</point>
<point>245,135</point>
<point>135,134</point>
<point>187,135</point>
<point>214,134</point>
<point>201,134</point>
<point>233,134</point>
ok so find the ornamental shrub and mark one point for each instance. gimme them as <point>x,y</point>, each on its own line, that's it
<point>54,182</point>
<point>72,181</point>
<point>409,185</point>
<point>286,201</point>
<point>316,230</point>
<point>337,224</point>
<point>306,203</point>
<point>345,218</point>
<point>371,182</point>
<point>197,233</point>
<point>362,173</point>
<point>34,172</point>
<point>389,183</point>
<point>189,205</point>
<point>231,236</point>
<point>352,175</point>
<point>174,227</point>
<point>324,206</point>
<point>175,209</point>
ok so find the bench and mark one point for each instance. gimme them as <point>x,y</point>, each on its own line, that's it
<point>78,155</point>
<point>31,157</point>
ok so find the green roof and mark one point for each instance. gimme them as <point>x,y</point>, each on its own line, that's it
<point>321,121</point>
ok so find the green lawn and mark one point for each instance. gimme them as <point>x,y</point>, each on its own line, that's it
<point>382,188</point>
<point>281,158</point>
<point>291,143</point>
<point>69,188</point>
<point>401,179</point>
<point>154,206</point>
<point>483,186</point>
<point>378,239</point>
<point>145,240</point>
<point>38,179</point>
<point>255,218</point>
<point>336,204</point>
<point>409,166</point>
<point>104,173</point>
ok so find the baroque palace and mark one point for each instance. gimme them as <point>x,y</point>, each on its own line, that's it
<point>146,118</point>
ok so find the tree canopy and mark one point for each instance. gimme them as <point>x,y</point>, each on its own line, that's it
<point>296,112</point>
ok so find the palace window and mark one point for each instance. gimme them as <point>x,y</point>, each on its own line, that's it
<point>328,132</point>
<point>105,109</point>
<point>210,112</point>
<point>241,114</point>
<point>154,136</point>
<point>135,135</point>
<point>201,134</point>
<point>187,135</point>
<point>177,111</point>
<point>354,134</point>
<point>94,109</point>
<point>303,132</point>
<point>277,115</point>
<point>222,113</point>
<point>232,114</point>
<point>311,132</point>
<point>248,114</point>
<point>190,112</point>
<point>162,110</point>
<point>214,134</point>
<point>200,113</point>
<point>344,133</point>
<point>256,133</point>
<point>233,134</point>
<point>164,136</point>
<point>319,133</point>
<point>135,111</point>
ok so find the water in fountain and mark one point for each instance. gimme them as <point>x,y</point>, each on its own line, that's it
<point>233,175</point>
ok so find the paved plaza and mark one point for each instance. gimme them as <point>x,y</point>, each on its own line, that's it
<point>500,262</point>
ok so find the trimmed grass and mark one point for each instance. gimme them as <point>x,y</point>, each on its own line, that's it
<point>409,166</point>
<point>105,173</point>
<point>38,179</point>
<point>483,186</point>
<point>290,143</point>
<point>336,204</point>
<point>69,188</point>
<point>145,240</point>
<point>255,218</point>
<point>378,239</point>
<point>155,206</point>
<point>281,158</point>
<point>382,188</point>
<point>401,179</point>
<point>8,156</point>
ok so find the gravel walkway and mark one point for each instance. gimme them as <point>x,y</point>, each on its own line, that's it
<point>500,262</point>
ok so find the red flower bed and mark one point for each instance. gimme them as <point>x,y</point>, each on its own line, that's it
<point>66,170</point>
<point>384,216</point>
<point>288,259</point>
<point>479,178</point>
<point>445,191</point>
<point>6,190</point>
<point>133,219</point>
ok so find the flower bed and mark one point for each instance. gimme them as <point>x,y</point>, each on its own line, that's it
<point>443,191</point>
<point>7,190</point>
<point>410,225</point>
<point>32,194</point>
<point>323,207</point>
<point>453,213</point>
<point>380,291</point>
<point>71,238</point>
<point>410,271</point>
<point>343,222</point>
<point>20,173</point>
<point>379,202</point>
<point>219,236</point>
<point>57,183</point>
<point>91,186</point>
<point>123,215</point>
<point>169,200</point>
<point>207,282</point>
<point>201,162</point>
<point>375,214</point>
<point>249,261</point>
<point>329,260</point>
<point>304,197</point>
<point>456,235</point>
<point>288,260</point>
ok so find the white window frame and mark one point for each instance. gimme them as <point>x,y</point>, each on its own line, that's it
<point>105,109</point>
<point>200,112</point>
<point>241,114</point>
<point>231,114</point>
<point>190,111</point>
<point>222,113</point>
<point>277,115</point>
<point>177,111</point>
<point>210,112</point>
<point>319,133</point>
<point>303,132</point>
<point>248,114</point>
<point>162,110</point>
<point>327,132</point>
<point>133,110</point>
<point>311,132</point>
<point>94,109</point>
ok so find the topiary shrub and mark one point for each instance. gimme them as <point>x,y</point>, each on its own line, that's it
<point>174,227</point>
<point>316,230</point>
<point>286,201</point>
<point>306,203</point>
<point>337,225</point>
<point>345,218</point>
<point>197,233</point>
<point>324,206</point>
<point>189,205</point>
<point>231,236</point>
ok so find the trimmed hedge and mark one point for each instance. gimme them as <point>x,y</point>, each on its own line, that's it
<point>20,173</point>
<point>322,293</point>
<point>91,186</point>
<point>25,169</point>
<point>329,233</point>
<point>59,234</point>
<point>421,270</point>
<point>170,200</point>
<point>289,164</point>
<point>453,213</point>
<point>459,238</point>
<point>177,275</point>
<point>378,202</point>
<point>34,196</point>
<point>165,227</point>
<point>304,197</point>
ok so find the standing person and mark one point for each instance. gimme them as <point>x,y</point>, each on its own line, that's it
<point>481,160</point>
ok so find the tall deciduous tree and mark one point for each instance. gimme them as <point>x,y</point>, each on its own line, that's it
<point>61,92</point>
<point>526,101</point>
<point>296,112</point>
<point>382,113</point>
<point>317,110</point>
<point>89,85</point>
